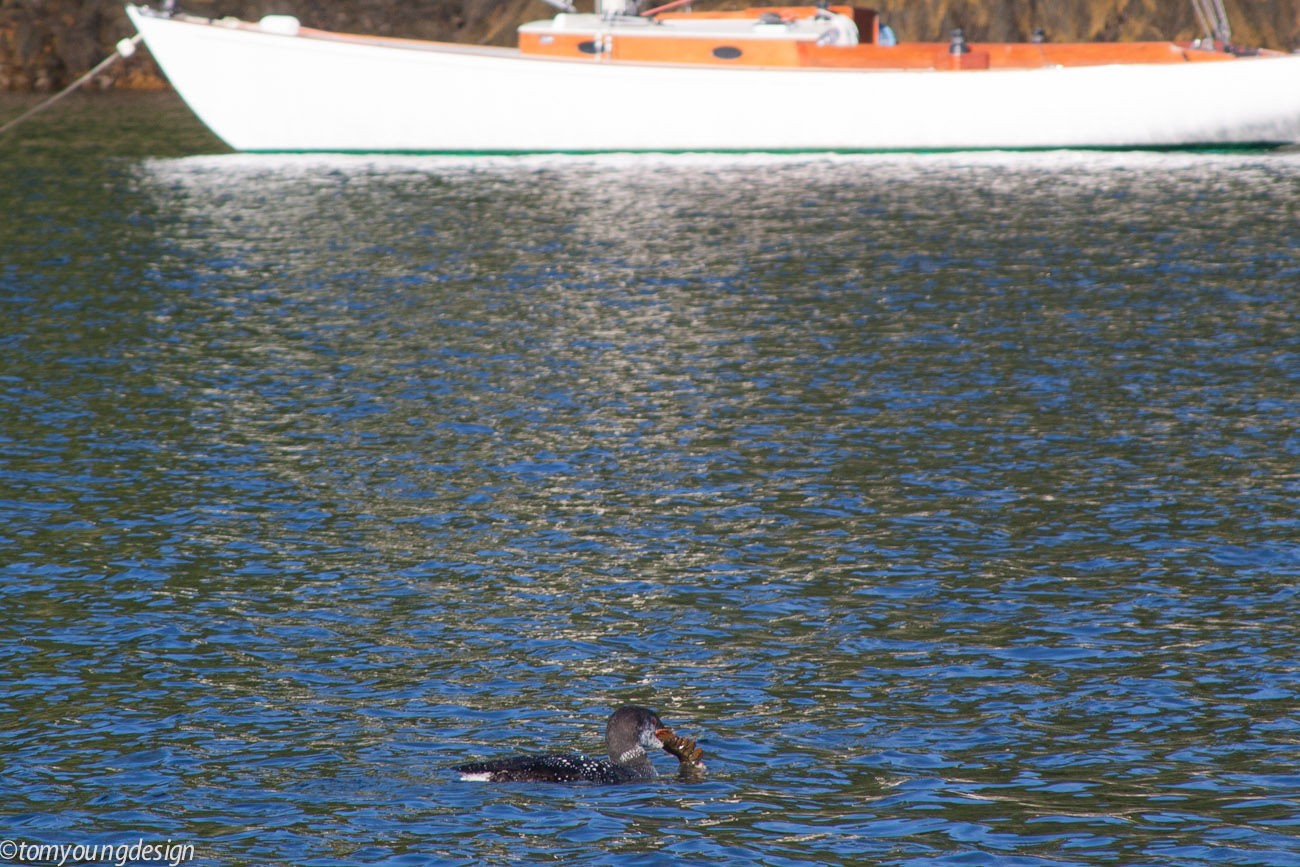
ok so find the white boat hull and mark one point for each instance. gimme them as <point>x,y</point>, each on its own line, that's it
<point>263,91</point>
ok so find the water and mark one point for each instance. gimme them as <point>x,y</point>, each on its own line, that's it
<point>950,501</point>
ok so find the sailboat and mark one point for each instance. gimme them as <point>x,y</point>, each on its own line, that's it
<point>779,78</point>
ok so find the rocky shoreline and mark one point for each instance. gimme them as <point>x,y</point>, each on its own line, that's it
<point>46,44</point>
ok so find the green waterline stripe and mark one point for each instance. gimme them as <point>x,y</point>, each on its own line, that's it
<point>1207,148</point>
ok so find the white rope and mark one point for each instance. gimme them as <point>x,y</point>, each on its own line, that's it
<point>125,48</point>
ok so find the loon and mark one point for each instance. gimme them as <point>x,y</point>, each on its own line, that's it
<point>628,733</point>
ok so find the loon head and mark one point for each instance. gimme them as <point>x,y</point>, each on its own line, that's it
<point>629,731</point>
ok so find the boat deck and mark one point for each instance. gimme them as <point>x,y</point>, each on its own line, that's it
<point>770,37</point>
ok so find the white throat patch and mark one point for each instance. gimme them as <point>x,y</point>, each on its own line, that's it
<point>628,755</point>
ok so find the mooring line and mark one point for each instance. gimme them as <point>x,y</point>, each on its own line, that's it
<point>124,48</point>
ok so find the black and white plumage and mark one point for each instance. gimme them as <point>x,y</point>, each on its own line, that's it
<point>628,733</point>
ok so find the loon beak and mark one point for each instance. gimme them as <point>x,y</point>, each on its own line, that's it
<point>664,735</point>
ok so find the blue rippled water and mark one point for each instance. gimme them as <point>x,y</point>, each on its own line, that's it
<point>950,501</point>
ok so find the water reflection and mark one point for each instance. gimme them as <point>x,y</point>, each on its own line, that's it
<point>948,500</point>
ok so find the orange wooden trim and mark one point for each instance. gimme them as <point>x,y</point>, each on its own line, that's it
<point>973,59</point>
<point>753,52</point>
<point>665,49</point>
<point>1198,56</point>
<point>1096,53</point>
<point>638,48</point>
<point>906,55</point>
<point>556,44</point>
<point>1006,55</point>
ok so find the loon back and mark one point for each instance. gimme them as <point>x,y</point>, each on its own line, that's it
<point>554,768</point>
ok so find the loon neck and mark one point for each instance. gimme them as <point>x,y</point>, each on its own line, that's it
<point>635,762</point>
<point>634,756</point>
